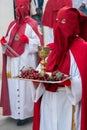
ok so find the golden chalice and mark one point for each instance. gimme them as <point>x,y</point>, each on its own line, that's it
<point>43,52</point>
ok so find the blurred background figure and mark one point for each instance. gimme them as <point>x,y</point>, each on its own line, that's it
<point>36,10</point>
<point>81,5</point>
<point>50,8</point>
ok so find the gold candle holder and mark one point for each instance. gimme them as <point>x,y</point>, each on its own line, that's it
<point>43,52</point>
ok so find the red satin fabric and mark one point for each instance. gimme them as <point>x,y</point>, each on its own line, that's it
<point>4,101</point>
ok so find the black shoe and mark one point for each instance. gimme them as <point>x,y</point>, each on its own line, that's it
<point>22,122</point>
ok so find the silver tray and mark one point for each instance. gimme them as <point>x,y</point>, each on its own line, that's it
<point>45,81</point>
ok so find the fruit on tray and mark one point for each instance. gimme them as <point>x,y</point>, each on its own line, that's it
<point>31,73</point>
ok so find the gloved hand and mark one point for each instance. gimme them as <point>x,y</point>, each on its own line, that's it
<point>3,40</point>
<point>24,39</point>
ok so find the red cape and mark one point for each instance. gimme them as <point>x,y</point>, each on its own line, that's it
<point>17,31</point>
<point>79,50</point>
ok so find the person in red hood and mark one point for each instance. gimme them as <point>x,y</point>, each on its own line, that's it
<point>64,106</point>
<point>49,14</point>
<point>19,46</point>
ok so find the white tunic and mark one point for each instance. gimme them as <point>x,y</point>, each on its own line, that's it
<point>20,91</point>
<point>56,107</point>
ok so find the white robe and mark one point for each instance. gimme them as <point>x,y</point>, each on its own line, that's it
<point>56,107</point>
<point>20,91</point>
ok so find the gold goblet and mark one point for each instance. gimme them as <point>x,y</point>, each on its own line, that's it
<point>43,52</point>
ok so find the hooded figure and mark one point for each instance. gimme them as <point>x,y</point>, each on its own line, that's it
<point>55,105</point>
<point>50,11</point>
<point>20,46</point>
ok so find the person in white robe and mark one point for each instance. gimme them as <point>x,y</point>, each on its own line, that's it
<point>56,107</point>
<point>20,47</point>
<point>63,106</point>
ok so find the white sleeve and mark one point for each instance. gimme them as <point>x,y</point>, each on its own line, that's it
<point>39,92</point>
<point>34,40</point>
<point>74,92</point>
<point>41,89</point>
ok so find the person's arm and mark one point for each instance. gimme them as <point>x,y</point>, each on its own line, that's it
<point>74,92</point>
<point>4,42</point>
<point>40,89</point>
<point>34,40</point>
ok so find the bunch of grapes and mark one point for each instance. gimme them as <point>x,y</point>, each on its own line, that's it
<point>57,76</point>
<point>31,73</point>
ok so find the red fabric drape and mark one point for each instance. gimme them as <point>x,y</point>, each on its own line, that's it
<point>79,50</point>
<point>36,119</point>
<point>4,102</point>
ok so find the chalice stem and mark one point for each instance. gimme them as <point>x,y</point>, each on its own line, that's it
<point>43,69</point>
